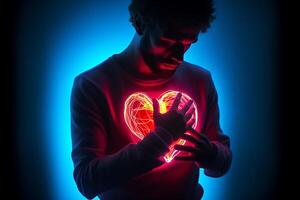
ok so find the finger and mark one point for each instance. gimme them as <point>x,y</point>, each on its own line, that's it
<point>187,149</point>
<point>203,137</point>
<point>190,138</point>
<point>195,132</point>
<point>188,116</point>
<point>186,107</point>
<point>201,145</point>
<point>200,135</point>
<point>155,108</point>
<point>186,158</point>
<point>190,124</point>
<point>176,101</point>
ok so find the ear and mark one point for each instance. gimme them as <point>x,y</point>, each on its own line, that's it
<point>138,24</point>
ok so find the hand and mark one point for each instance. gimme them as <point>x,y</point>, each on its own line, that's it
<point>174,121</point>
<point>204,152</point>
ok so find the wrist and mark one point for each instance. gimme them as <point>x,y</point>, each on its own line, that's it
<point>164,135</point>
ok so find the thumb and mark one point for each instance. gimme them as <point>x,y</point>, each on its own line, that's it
<point>155,107</point>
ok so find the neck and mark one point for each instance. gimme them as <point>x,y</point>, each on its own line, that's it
<point>133,60</point>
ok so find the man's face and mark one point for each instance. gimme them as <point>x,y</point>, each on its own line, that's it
<point>163,49</point>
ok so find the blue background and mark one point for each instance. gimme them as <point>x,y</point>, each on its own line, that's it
<point>55,41</point>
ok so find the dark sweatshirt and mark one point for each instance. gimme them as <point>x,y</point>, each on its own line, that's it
<point>113,163</point>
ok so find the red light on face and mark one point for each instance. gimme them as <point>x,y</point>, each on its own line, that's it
<point>138,115</point>
<point>167,66</point>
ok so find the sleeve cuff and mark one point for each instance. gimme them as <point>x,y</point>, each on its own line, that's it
<point>221,163</point>
<point>156,144</point>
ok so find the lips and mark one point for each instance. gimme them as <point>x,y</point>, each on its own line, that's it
<point>138,115</point>
<point>169,66</point>
<point>172,63</point>
<point>176,61</point>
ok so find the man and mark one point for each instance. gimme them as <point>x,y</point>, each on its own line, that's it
<point>144,121</point>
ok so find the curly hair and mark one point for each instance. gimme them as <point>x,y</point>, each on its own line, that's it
<point>186,12</point>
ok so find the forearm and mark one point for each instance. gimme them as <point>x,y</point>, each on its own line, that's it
<point>101,174</point>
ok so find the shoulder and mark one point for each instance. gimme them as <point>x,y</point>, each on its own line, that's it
<point>90,84</point>
<point>99,73</point>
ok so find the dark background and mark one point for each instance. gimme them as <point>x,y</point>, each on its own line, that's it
<point>19,184</point>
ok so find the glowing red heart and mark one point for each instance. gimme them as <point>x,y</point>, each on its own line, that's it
<point>138,115</point>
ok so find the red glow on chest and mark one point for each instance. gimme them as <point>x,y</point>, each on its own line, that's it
<point>138,115</point>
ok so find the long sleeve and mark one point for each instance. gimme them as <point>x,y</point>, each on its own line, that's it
<point>221,164</point>
<point>94,171</point>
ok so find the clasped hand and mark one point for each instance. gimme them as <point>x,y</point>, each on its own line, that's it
<point>177,123</point>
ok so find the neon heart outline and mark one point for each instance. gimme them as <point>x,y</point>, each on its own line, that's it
<point>146,102</point>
